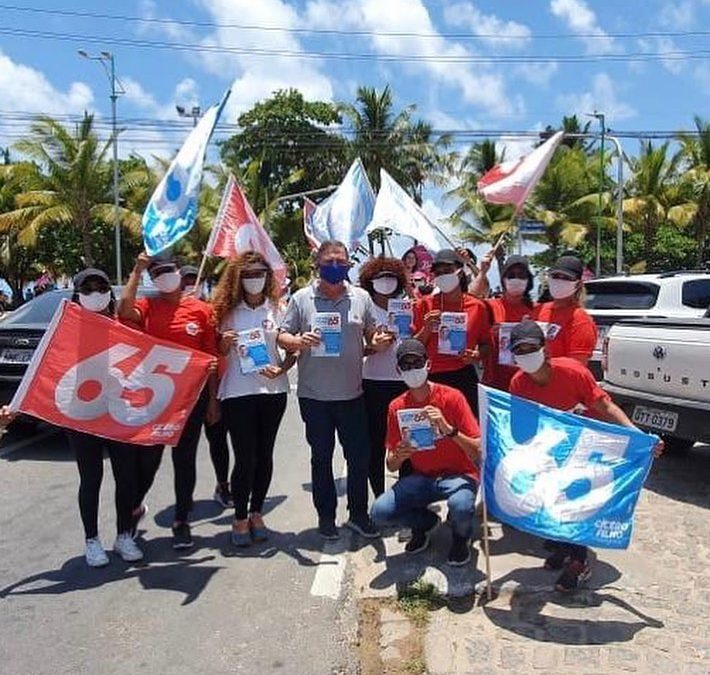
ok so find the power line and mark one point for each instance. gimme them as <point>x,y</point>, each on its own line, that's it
<point>333,31</point>
<point>677,55</point>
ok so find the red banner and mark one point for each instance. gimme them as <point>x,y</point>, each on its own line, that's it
<point>92,374</point>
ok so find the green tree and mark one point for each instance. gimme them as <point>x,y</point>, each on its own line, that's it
<point>68,185</point>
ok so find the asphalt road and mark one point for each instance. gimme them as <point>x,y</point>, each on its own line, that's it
<point>277,607</point>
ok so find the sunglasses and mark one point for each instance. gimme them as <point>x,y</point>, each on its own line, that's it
<point>411,363</point>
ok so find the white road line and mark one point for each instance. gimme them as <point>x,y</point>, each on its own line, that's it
<point>14,447</point>
<point>328,579</point>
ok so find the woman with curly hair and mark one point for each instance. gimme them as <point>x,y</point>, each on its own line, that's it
<point>384,279</point>
<point>246,306</point>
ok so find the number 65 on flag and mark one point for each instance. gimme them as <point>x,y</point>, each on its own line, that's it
<point>94,375</point>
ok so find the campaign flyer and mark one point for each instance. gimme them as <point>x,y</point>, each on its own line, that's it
<point>400,317</point>
<point>416,429</point>
<point>328,327</point>
<point>251,347</point>
<point>452,333</point>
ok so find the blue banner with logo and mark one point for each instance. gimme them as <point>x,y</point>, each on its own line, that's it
<point>559,475</point>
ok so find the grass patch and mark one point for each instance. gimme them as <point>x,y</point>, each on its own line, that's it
<point>416,666</point>
<point>417,600</point>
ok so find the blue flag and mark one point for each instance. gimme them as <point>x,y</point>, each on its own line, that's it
<point>560,475</point>
<point>172,209</point>
<point>348,211</point>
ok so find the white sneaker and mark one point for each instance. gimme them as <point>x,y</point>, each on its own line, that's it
<point>95,554</point>
<point>127,548</point>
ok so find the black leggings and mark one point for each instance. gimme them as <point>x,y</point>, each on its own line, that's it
<point>465,380</point>
<point>253,422</point>
<point>378,396</point>
<point>219,449</point>
<point>89,451</point>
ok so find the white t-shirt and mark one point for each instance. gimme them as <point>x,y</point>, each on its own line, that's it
<point>234,383</point>
<point>381,365</point>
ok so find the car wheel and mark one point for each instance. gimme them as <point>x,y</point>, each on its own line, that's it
<point>677,446</point>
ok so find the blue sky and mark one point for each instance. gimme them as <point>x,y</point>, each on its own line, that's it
<point>503,65</point>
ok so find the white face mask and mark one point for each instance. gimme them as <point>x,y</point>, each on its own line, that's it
<point>416,377</point>
<point>188,290</point>
<point>254,286</point>
<point>168,282</point>
<point>447,282</point>
<point>562,288</point>
<point>530,363</point>
<point>96,302</point>
<point>515,287</point>
<point>385,285</point>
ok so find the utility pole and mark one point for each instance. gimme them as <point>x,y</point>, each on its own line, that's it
<point>601,118</point>
<point>108,58</point>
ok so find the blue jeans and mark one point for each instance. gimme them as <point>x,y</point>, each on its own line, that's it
<point>349,419</point>
<point>406,503</point>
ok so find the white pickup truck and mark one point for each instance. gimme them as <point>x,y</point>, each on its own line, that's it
<point>670,294</point>
<point>658,371</point>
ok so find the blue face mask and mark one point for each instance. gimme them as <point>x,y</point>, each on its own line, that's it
<point>333,273</point>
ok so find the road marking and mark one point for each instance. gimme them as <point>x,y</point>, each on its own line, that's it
<point>14,447</point>
<point>328,579</point>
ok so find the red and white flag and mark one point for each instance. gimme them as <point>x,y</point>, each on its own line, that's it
<point>92,374</point>
<point>237,229</point>
<point>309,208</point>
<point>512,182</point>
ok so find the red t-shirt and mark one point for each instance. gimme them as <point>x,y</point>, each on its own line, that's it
<point>478,327</point>
<point>572,331</point>
<point>447,458</point>
<point>570,385</point>
<point>189,322</point>
<point>502,311</point>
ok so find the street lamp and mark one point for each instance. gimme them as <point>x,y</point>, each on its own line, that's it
<point>600,117</point>
<point>108,63</point>
<point>194,112</point>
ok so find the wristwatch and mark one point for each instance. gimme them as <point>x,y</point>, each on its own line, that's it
<point>454,432</point>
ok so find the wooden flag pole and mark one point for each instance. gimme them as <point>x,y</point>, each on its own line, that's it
<point>200,272</point>
<point>486,548</point>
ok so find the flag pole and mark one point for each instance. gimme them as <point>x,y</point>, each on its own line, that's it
<point>486,547</point>
<point>200,272</point>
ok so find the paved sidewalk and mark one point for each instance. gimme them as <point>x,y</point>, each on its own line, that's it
<point>645,609</point>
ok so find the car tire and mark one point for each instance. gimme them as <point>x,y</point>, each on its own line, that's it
<point>677,446</point>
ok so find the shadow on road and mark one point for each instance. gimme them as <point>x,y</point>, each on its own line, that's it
<point>685,478</point>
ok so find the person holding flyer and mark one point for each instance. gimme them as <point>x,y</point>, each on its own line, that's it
<point>184,320</point>
<point>254,386</point>
<point>561,383</point>
<point>512,307</point>
<point>454,327</point>
<point>385,280</point>
<point>571,331</point>
<point>439,420</point>
<point>330,387</point>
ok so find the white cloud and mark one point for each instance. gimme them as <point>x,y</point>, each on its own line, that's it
<point>580,19</point>
<point>495,31</point>
<point>478,85</point>
<point>661,45</point>
<point>603,97</point>
<point>678,15</point>
<point>538,74</point>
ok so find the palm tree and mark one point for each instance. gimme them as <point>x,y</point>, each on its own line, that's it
<point>695,164</point>
<point>68,185</point>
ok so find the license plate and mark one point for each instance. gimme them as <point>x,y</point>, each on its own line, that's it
<point>654,418</point>
<point>16,356</point>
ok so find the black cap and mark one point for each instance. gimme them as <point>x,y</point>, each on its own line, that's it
<point>188,271</point>
<point>526,333</point>
<point>569,264</point>
<point>410,347</point>
<point>88,273</point>
<point>447,256</point>
<point>158,265</point>
<point>512,260</point>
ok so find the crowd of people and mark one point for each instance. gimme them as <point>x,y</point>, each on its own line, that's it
<point>360,368</point>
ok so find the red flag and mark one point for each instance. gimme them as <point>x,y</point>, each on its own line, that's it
<point>512,182</point>
<point>237,229</point>
<point>92,374</point>
<point>309,208</point>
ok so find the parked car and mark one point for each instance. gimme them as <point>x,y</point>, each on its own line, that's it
<point>658,371</point>
<point>670,294</point>
<point>21,332</point>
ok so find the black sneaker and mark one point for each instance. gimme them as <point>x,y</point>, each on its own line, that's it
<point>575,574</point>
<point>364,527</point>
<point>418,542</point>
<point>556,561</point>
<point>327,530</point>
<point>222,495</point>
<point>182,536</point>
<point>460,553</point>
<point>136,519</point>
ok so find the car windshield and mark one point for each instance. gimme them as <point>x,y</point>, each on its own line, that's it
<point>620,295</point>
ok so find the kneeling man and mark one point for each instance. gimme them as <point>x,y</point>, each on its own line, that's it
<point>435,457</point>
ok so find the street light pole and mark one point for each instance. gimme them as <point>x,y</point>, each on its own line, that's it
<point>103,58</point>
<point>195,112</point>
<point>600,116</point>
<point>619,205</point>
